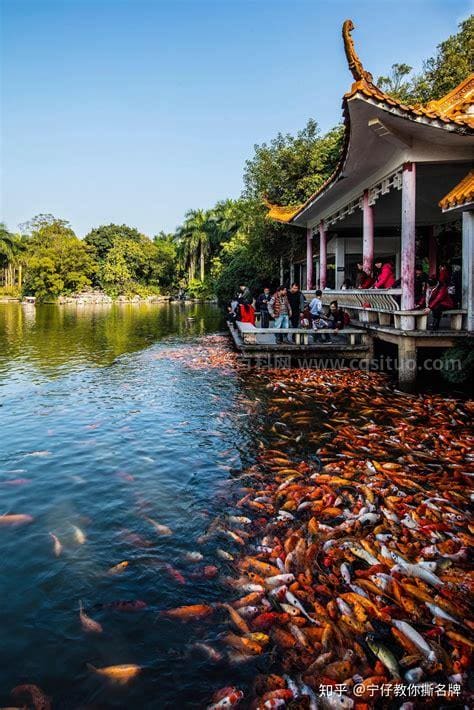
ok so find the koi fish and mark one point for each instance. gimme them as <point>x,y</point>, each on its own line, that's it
<point>236,618</point>
<point>79,536</point>
<point>163,530</point>
<point>226,698</point>
<point>384,655</point>
<point>116,569</point>
<point>193,611</point>
<point>87,623</point>
<point>415,638</point>
<point>120,674</point>
<point>16,519</point>
<point>57,547</point>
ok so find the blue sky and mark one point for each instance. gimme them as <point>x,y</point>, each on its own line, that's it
<point>135,110</point>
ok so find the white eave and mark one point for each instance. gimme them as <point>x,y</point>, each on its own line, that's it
<point>372,154</point>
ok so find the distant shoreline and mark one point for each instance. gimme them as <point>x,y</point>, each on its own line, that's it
<point>107,301</point>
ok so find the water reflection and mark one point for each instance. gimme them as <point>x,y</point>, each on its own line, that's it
<point>99,432</point>
<point>50,336</point>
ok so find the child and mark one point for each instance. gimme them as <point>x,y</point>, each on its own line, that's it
<point>318,324</point>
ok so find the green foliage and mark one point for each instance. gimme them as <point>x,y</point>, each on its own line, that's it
<point>290,168</point>
<point>103,238</point>
<point>396,83</point>
<point>57,261</point>
<point>10,291</point>
<point>199,289</point>
<point>453,62</point>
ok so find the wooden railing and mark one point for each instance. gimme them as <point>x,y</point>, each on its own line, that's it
<point>382,307</point>
<point>302,336</point>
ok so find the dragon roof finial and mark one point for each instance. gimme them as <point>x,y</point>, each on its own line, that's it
<point>355,65</point>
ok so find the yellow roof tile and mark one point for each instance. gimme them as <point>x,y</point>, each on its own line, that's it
<point>461,194</point>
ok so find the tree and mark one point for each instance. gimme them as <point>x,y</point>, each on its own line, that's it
<point>11,258</point>
<point>395,83</point>
<point>290,168</point>
<point>165,259</point>
<point>103,238</point>
<point>452,63</point>
<point>193,238</point>
<point>6,244</point>
<point>57,261</point>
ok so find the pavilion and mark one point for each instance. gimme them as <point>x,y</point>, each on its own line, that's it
<point>403,190</point>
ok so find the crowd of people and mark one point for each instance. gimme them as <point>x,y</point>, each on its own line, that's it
<point>288,308</point>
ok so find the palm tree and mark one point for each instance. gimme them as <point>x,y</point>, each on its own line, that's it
<point>226,218</point>
<point>11,247</point>
<point>193,239</point>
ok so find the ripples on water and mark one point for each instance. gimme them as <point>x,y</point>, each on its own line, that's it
<point>98,432</point>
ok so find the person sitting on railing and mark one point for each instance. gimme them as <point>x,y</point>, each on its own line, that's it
<point>280,309</point>
<point>363,279</point>
<point>385,274</point>
<point>337,317</point>
<point>320,323</point>
<point>262,305</point>
<point>436,300</point>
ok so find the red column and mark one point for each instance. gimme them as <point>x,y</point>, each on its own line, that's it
<point>367,234</point>
<point>322,256</point>
<point>407,265</point>
<point>309,258</point>
<point>432,252</point>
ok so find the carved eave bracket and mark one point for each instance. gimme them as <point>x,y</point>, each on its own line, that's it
<point>355,65</point>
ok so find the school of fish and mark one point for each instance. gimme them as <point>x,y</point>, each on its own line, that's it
<point>350,547</point>
<point>342,558</point>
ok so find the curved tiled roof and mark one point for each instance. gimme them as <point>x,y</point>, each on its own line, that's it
<point>282,213</point>
<point>452,108</point>
<point>461,194</point>
<point>455,109</point>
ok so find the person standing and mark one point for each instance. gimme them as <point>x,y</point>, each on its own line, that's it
<point>244,296</point>
<point>262,306</point>
<point>279,308</point>
<point>297,303</point>
<point>316,305</point>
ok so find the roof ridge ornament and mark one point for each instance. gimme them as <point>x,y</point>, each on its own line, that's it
<point>355,65</point>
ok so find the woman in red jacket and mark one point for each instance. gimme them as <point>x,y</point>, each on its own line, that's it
<point>386,276</point>
<point>363,279</point>
<point>436,300</point>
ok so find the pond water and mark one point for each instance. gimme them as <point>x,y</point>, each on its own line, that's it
<point>98,432</point>
<point>133,443</point>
